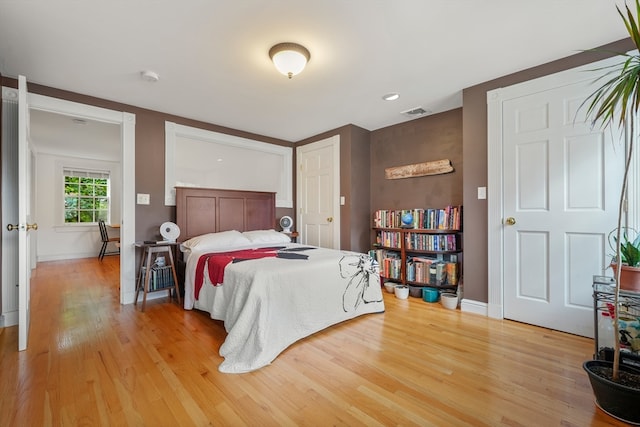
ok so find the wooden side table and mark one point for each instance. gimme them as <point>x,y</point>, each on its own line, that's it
<point>293,235</point>
<point>145,283</point>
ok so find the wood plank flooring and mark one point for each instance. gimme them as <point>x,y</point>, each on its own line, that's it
<point>94,362</point>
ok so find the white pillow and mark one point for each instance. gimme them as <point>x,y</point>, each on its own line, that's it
<point>266,236</point>
<point>213,241</point>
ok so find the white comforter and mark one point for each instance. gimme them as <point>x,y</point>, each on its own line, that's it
<point>268,304</point>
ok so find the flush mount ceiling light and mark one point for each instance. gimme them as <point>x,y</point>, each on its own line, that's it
<point>149,76</point>
<point>391,96</point>
<point>289,58</point>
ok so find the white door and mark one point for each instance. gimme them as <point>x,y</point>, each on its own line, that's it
<point>318,199</point>
<point>24,216</point>
<point>561,188</point>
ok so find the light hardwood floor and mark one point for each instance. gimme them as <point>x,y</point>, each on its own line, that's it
<point>92,362</point>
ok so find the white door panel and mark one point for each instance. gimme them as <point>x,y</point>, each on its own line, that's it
<point>9,299</point>
<point>561,180</point>
<point>318,193</point>
<point>24,216</point>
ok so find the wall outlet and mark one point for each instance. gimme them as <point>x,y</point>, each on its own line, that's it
<point>143,199</point>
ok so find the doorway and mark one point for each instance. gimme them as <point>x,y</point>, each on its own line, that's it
<point>126,123</point>
<point>85,150</point>
<point>318,183</point>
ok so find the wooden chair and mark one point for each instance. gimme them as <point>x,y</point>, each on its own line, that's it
<point>106,240</point>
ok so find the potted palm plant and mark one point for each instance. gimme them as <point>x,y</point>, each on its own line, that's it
<point>616,103</point>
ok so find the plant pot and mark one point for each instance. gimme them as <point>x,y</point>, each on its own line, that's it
<point>629,277</point>
<point>401,291</point>
<point>390,286</point>
<point>449,300</point>
<point>618,400</point>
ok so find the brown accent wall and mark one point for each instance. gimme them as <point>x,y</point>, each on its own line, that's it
<point>429,138</point>
<point>474,134</point>
<point>360,194</point>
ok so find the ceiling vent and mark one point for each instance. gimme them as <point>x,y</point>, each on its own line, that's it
<point>416,112</point>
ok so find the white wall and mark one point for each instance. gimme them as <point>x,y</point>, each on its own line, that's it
<point>55,240</point>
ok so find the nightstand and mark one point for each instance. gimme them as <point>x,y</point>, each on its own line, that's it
<point>293,235</point>
<point>154,277</point>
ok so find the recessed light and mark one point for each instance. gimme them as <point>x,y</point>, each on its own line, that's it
<point>391,96</point>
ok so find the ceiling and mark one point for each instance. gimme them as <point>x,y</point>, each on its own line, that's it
<point>212,55</point>
<point>62,135</point>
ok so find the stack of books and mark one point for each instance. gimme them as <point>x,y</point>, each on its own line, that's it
<point>161,277</point>
<point>449,218</point>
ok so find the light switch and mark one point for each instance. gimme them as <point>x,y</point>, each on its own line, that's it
<point>143,199</point>
<point>482,193</point>
<point>342,201</point>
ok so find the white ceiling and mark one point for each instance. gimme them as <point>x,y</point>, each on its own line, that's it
<point>212,58</point>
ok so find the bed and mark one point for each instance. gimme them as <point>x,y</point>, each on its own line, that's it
<point>268,291</point>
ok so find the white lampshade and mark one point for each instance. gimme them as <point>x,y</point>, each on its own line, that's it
<point>289,58</point>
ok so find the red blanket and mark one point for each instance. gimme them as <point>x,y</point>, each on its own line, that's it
<point>217,261</point>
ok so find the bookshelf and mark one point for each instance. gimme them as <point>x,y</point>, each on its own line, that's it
<point>424,252</point>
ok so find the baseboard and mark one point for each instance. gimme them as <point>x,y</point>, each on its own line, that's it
<point>9,319</point>
<point>476,307</point>
<point>62,257</point>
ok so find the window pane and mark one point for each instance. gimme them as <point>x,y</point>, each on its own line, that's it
<point>103,215</point>
<point>86,216</point>
<point>102,203</point>
<point>71,189</point>
<point>102,181</point>
<point>70,202</point>
<point>87,203</point>
<point>86,190</point>
<point>101,190</point>
<point>71,216</point>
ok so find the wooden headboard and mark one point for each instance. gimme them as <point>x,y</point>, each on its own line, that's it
<point>209,210</point>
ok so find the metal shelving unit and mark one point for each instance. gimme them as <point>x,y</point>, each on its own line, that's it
<point>603,294</point>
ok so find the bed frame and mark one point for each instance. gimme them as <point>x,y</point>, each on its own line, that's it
<point>209,210</point>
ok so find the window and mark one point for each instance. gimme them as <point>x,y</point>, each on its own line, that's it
<point>86,196</point>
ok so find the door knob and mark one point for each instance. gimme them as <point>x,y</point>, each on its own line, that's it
<point>510,221</point>
<point>16,227</point>
<point>330,219</point>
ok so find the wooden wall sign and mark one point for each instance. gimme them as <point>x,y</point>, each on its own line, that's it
<point>436,167</point>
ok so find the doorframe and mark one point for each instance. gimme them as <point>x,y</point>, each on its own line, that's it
<point>334,143</point>
<point>127,122</point>
<point>495,178</point>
